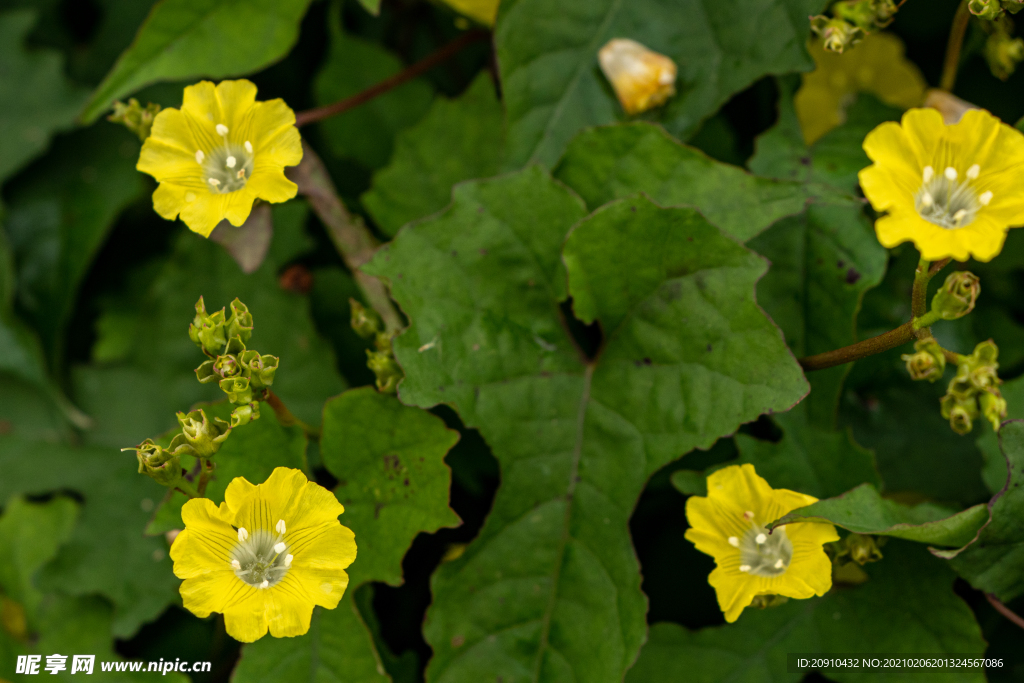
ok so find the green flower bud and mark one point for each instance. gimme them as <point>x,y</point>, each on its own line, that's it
<point>837,33</point>
<point>1003,53</point>
<point>993,406</point>
<point>135,117</point>
<point>981,366</point>
<point>243,415</point>
<point>862,549</point>
<point>860,13</point>
<point>960,412</point>
<point>259,369</point>
<point>986,9</point>
<point>238,390</point>
<point>387,370</point>
<point>986,353</point>
<point>885,12</point>
<point>240,323</point>
<point>208,330</point>
<point>1013,6</point>
<point>366,323</point>
<point>205,373</point>
<point>957,296</point>
<point>158,463</point>
<point>226,366</point>
<point>929,362</point>
<point>203,435</point>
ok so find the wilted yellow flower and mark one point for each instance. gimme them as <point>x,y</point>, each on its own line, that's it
<point>265,557</point>
<point>642,78</point>
<point>953,190</point>
<point>729,525</point>
<point>482,11</point>
<point>220,152</point>
<point>877,67</point>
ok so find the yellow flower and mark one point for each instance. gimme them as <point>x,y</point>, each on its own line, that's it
<point>953,190</point>
<point>729,525</point>
<point>642,78</point>
<point>220,152</point>
<point>877,66</point>
<point>265,557</point>
<point>482,11</point>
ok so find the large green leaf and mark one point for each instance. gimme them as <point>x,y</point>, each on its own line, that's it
<point>457,140</point>
<point>30,534</point>
<point>107,552</point>
<point>552,572</point>
<point>36,99</point>
<point>147,373</point>
<point>994,472</point>
<point>60,212</point>
<point>189,39</point>
<point>612,162</point>
<point>864,511</point>
<point>366,133</point>
<point>393,482</point>
<point>553,87</point>
<point>995,562</point>
<point>907,607</point>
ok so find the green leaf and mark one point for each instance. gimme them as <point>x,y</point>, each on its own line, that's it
<point>252,451</point>
<point>995,562</point>
<point>994,472</point>
<point>135,392</point>
<point>338,647</point>
<point>823,262</point>
<point>457,140</point>
<point>36,100</point>
<point>60,213</point>
<point>21,355</point>
<point>189,39</point>
<point>612,162</point>
<point>552,572</point>
<point>107,552</point>
<point>392,478</point>
<point>553,86</point>
<point>907,607</point>
<point>864,511</point>
<point>365,133</point>
<point>30,534</point>
<point>371,6</point>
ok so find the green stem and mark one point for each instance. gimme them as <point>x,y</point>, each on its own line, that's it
<point>862,349</point>
<point>204,476</point>
<point>185,487</point>
<point>953,47</point>
<point>286,417</point>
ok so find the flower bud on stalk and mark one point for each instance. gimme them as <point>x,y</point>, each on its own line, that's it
<point>1003,53</point>
<point>203,435</point>
<point>957,296</point>
<point>642,78</point>
<point>240,323</point>
<point>160,464</point>
<point>960,412</point>
<point>259,369</point>
<point>365,323</point>
<point>993,406</point>
<point>838,34</point>
<point>238,390</point>
<point>1012,6</point>
<point>208,330</point>
<point>985,9</point>
<point>929,362</point>
<point>135,117</point>
<point>243,415</point>
<point>384,366</point>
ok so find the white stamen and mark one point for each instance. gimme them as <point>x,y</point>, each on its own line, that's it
<point>748,515</point>
<point>242,534</point>
<point>230,162</point>
<point>288,560</point>
<point>222,130</point>
<point>744,567</point>
<point>265,584</point>
<point>760,538</point>
<point>926,200</point>
<point>951,173</point>
<point>236,564</point>
<point>960,215</point>
<point>280,526</point>
<point>213,181</point>
<point>734,542</point>
<point>929,173</point>
<point>985,198</point>
<point>279,548</point>
<point>973,171</point>
<point>248,147</point>
<point>200,156</point>
<point>778,564</point>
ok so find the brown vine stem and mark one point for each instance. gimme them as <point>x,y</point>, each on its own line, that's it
<point>953,47</point>
<point>350,236</point>
<point>285,416</point>
<point>862,349</point>
<point>426,64</point>
<point>204,477</point>
<point>1004,610</point>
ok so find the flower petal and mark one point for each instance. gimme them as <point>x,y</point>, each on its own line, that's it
<point>206,543</point>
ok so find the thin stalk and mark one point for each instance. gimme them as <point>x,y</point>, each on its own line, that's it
<point>1004,610</point>
<point>185,487</point>
<point>426,64</point>
<point>919,297</point>
<point>953,47</point>
<point>286,417</point>
<point>204,477</point>
<point>862,349</point>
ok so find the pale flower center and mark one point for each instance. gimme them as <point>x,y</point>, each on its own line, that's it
<point>227,167</point>
<point>261,558</point>
<point>949,200</point>
<point>762,553</point>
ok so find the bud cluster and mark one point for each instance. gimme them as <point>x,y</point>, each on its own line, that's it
<point>994,9</point>
<point>851,20</point>
<point>135,117</point>
<point>367,324</point>
<point>975,391</point>
<point>1002,51</point>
